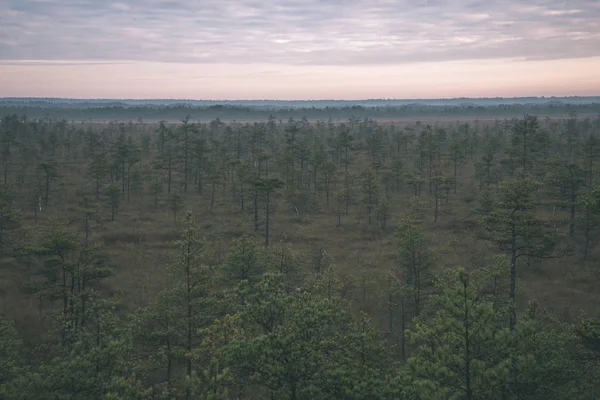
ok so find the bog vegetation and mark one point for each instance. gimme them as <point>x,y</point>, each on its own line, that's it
<point>288,259</point>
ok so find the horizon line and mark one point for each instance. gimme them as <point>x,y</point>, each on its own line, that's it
<point>295,100</point>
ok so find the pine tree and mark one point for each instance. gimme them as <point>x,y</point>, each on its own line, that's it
<point>113,198</point>
<point>457,155</point>
<point>175,204</point>
<point>384,212</point>
<point>516,229</point>
<point>340,201</point>
<point>85,367</point>
<point>10,356</point>
<point>266,188</point>
<point>566,183</point>
<point>455,355</point>
<point>70,270</point>
<point>523,141</point>
<point>590,220</point>
<point>546,359</point>
<point>370,192</point>
<point>414,260</point>
<point>158,331</point>
<point>10,221</point>
<point>298,345</point>
<point>243,262</point>
<point>50,172</point>
<point>193,280</point>
<point>9,128</point>
<point>99,170</point>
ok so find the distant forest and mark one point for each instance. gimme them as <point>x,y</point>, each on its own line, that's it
<point>206,110</point>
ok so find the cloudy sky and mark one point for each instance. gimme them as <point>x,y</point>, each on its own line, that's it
<point>299,49</point>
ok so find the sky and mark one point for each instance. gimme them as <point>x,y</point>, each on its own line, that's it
<point>299,49</point>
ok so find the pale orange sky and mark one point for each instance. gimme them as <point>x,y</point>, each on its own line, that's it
<point>292,49</point>
<point>469,78</point>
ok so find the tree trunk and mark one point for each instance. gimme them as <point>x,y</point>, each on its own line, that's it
<point>572,216</point>
<point>212,196</point>
<point>169,176</point>
<point>189,312</point>
<point>123,177</point>
<point>267,212</point>
<point>403,328</point>
<point>255,210</point>
<point>47,193</point>
<point>469,390</point>
<point>513,280</point>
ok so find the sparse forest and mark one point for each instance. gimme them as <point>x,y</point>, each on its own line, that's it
<point>291,258</point>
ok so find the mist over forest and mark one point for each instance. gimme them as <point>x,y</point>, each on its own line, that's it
<point>337,110</point>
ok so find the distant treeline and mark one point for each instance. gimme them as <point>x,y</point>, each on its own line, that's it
<point>286,104</point>
<point>242,113</point>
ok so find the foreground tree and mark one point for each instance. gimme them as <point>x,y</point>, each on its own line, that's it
<point>158,333</point>
<point>10,355</point>
<point>455,355</point>
<point>193,279</point>
<point>85,367</point>
<point>69,270</point>
<point>548,360</point>
<point>466,352</point>
<point>298,345</point>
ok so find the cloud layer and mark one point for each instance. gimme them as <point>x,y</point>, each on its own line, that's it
<point>297,32</point>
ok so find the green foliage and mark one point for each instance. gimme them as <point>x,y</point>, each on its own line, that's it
<point>414,260</point>
<point>216,380</point>
<point>457,354</point>
<point>525,132</point>
<point>514,218</point>
<point>67,272</point>
<point>590,219</point>
<point>267,187</point>
<point>384,212</point>
<point>297,345</point>
<point>325,282</point>
<point>192,304</point>
<point>281,259</point>
<point>546,359</point>
<point>486,202</point>
<point>157,330</point>
<point>465,350</point>
<point>516,229</point>
<point>588,330</point>
<point>128,388</point>
<point>243,262</point>
<point>51,174</point>
<point>566,182</point>
<point>86,366</point>
<point>10,355</point>
<point>113,198</point>
<point>98,171</point>
<point>370,191</point>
